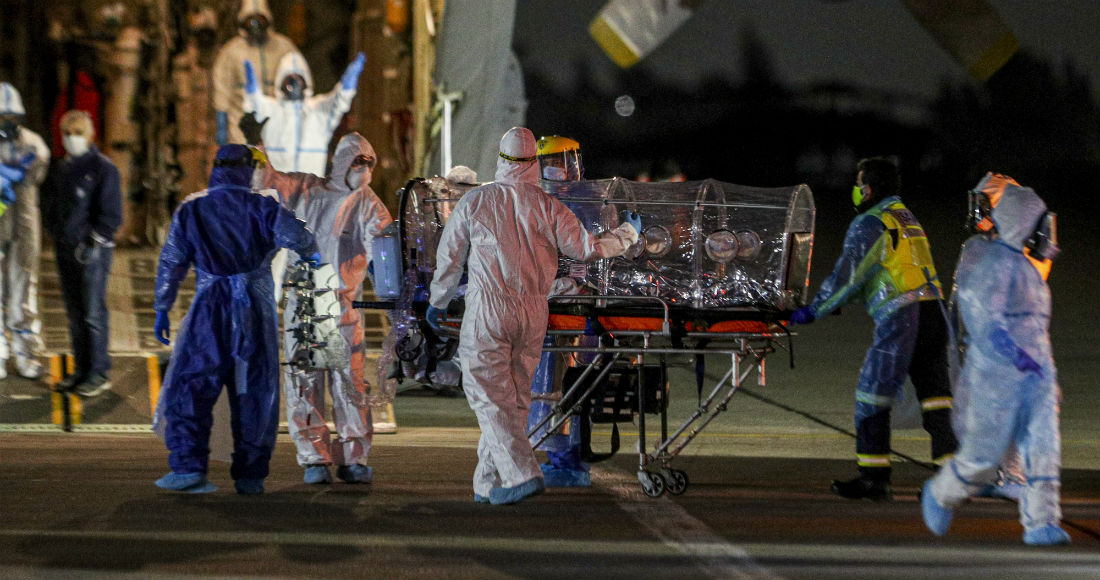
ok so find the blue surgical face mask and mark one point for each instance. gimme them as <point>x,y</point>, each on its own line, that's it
<point>552,173</point>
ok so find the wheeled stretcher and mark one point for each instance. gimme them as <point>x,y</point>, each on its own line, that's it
<point>716,271</point>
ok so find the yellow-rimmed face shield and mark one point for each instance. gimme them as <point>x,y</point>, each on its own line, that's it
<point>560,159</point>
<point>259,158</point>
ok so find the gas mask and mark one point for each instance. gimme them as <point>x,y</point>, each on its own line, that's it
<point>360,172</point>
<point>294,87</point>
<point>255,28</point>
<point>979,208</point>
<point>9,127</point>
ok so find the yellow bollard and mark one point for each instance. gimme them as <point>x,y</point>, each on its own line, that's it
<point>152,363</point>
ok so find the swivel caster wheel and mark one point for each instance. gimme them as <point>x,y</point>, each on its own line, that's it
<point>676,481</point>
<point>652,484</point>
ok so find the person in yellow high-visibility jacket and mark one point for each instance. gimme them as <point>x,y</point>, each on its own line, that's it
<point>887,265</point>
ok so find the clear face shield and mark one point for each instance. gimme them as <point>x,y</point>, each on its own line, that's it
<point>979,209</point>
<point>561,166</point>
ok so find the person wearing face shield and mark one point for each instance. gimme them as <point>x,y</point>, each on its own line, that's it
<point>345,215</point>
<point>258,43</point>
<point>507,234</point>
<point>298,125</point>
<point>82,209</point>
<point>1011,480</point>
<point>230,334</point>
<point>559,165</point>
<point>1008,373</point>
<point>24,160</point>
<point>887,264</point>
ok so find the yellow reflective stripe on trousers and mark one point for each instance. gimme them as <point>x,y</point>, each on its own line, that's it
<point>873,399</point>
<point>873,460</point>
<point>935,404</point>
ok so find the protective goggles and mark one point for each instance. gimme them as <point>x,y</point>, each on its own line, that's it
<point>363,161</point>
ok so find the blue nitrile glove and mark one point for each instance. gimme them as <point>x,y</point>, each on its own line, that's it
<point>161,327</point>
<point>434,317</point>
<point>350,78</point>
<point>12,173</point>
<point>250,85</point>
<point>635,220</point>
<point>804,315</point>
<point>221,134</point>
<point>314,259</point>
<point>1004,345</point>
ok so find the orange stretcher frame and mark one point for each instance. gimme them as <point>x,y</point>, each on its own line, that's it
<point>638,323</point>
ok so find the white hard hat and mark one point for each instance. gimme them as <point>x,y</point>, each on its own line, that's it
<point>462,174</point>
<point>518,145</point>
<point>10,101</point>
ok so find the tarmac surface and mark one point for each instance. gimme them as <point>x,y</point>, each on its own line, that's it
<point>82,504</point>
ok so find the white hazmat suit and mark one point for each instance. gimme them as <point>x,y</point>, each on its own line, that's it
<point>1008,375</point>
<point>344,215</point>
<point>508,233</point>
<point>297,132</point>
<point>20,242</point>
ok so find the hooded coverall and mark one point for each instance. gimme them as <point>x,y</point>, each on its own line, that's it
<point>1005,305</point>
<point>344,220</point>
<point>20,241</point>
<point>298,132</point>
<point>230,334</point>
<point>508,234</point>
<point>886,264</point>
<point>228,71</point>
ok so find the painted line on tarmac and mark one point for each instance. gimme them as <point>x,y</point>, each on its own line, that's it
<point>558,546</point>
<point>677,529</point>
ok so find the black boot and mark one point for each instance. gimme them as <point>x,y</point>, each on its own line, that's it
<point>864,487</point>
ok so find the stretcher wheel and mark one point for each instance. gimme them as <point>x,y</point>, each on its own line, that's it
<point>652,484</point>
<point>676,481</point>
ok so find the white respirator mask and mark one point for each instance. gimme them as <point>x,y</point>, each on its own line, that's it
<point>75,145</point>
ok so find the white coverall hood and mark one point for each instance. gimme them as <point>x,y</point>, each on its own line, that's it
<point>250,7</point>
<point>293,63</point>
<point>521,164</point>
<point>10,101</point>
<point>1017,215</point>
<point>351,146</point>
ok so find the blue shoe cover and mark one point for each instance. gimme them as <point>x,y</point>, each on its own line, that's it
<point>186,482</point>
<point>936,517</point>
<point>507,495</point>
<point>355,473</point>
<point>1048,535</point>
<point>559,477</point>
<point>317,474</point>
<point>249,486</point>
<point>478,498</point>
<point>1009,490</point>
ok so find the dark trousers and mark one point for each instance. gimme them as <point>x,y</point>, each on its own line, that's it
<point>911,342</point>
<point>84,289</point>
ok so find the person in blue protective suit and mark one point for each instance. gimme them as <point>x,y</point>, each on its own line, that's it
<point>1011,480</point>
<point>345,215</point>
<point>1008,372</point>
<point>298,125</point>
<point>230,334</point>
<point>508,234</point>
<point>887,264</point>
<point>559,164</point>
